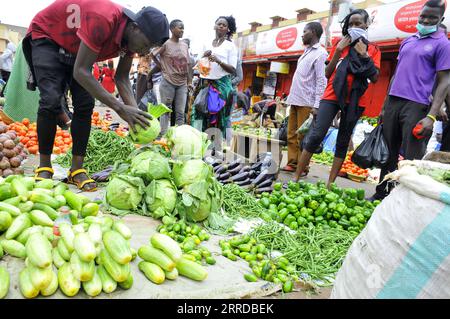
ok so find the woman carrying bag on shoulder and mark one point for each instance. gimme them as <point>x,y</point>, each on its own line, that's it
<point>352,63</point>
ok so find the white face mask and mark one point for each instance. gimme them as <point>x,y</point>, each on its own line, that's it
<point>356,33</point>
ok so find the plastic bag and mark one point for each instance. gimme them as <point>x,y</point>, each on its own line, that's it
<point>201,101</point>
<point>149,97</point>
<point>306,126</point>
<point>283,131</point>
<point>203,66</point>
<point>373,151</point>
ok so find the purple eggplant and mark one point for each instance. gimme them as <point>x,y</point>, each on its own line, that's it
<point>236,170</point>
<point>264,190</point>
<point>240,177</point>
<point>224,176</point>
<point>248,181</point>
<point>266,183</point>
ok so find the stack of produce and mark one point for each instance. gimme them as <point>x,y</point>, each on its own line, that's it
<point>353,171</point>
<point>304,204</point>
<point>106,124</point>
<point>26,132</point>
<point>157,187</point>
<point>104,149</point>
<point>324,158</point>
<point>371,120</point>
<point>12,153</point>
<point>257,177</point>
<point>258,257</point>
<point>163,259</point>
<point>48,226</point>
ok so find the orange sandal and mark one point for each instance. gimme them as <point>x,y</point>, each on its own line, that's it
<point>80,185</point>
<point>43,169</point>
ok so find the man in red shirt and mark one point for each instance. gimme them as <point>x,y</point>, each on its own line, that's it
<point>63,42</point>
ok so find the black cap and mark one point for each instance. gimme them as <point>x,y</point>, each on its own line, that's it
<point>152,22</point>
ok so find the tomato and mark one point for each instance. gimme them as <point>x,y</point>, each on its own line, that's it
<point>33,149</point>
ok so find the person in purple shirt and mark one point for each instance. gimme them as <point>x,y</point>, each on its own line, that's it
<point>424,60</point>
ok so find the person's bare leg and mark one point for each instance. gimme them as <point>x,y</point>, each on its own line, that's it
<point>303,161</point>
<point>45,161</point>
<point>337,164</point>
<point>77,163</point>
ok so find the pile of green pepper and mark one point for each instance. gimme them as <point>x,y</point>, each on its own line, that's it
<point>278,271</point>
<point>305,204</point>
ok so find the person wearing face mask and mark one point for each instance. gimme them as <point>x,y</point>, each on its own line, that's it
<point>352,63</point>
<point>424,59</point>
<point>63,42</point>
<point>174,62</point>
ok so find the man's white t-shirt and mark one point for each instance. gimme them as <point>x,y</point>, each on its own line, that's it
<point>228,54</point>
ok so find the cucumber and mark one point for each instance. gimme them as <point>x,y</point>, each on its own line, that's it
<point>26,207</point>
<point>29,182</point>
<point>83,271</point>
<point>23,237</point>
<point>18,226</point>
<point>122,229</point>
<point>44,191</point>
<point>39,250</point>
<point>171,275</point>
<point>40,197</point>
<point>38,217</point>
<point>63,251</point>
<point>6,192</point>
<point>61,200</point>
<point>127,284</point>
<point>95,233</point>
<point>156,256</point>
<point>46,184</point>
<point>58,261</point>
<point>40,277</point>
<point>84,247</point>
<point>108,284</point>
<point>117,271</point>
<point>4,282</point>
<point>117,247</point>
<point>12,210</point>
<point>191,270</point>
<point>1,251</point>
<point>68,284</point>
<point>26,287</point>
<point>60,189</point>
<point>14,201</point>
<point>167,245</point>
<point>74,200</point>
<point>133,254</point>
<point>52,287</point>
<point>67,236</point>
<point>90,209</point>
<point>5,221</point>
<point>107,224</point>
<point>20,189</point>
<point>94,286</point>
<point>153,272</point>
<point>250,278</point>
<point>53,214</point>
<point>48,233</point>
<point>77,229</point>
<point>93,220</point>
<point>14,248</point>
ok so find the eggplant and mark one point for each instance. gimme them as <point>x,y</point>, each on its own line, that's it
<point>217,162</point>
<point>264,190</point>
<point>236,170</point>
<point>245,169</point>
<point>221,169</point>
<point>255,166</point>
<point>263,176</point>
<point>240,177</point>
<point>224,176</point>
<point>248,181</point>
<point>235,164</point>
<point>266,183</point>
<point>252,174</point>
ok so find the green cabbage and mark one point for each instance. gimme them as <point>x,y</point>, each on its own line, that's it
<point>124,193</point>
<point>161,198</point>
<point>146,136</point>
<point>187,142</point>
<point>150,165</point>
<point>189,172</point>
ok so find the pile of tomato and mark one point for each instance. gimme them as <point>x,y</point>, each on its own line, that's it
<point>352,168</point>
<point>27,134</point>
<point>105,124</point>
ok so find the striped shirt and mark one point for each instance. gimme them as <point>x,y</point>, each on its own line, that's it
<point>309,80</point>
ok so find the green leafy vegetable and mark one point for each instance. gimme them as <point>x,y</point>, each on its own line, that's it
<point>187,142</point>
<point>124,194</point>
<point>150,165</point>
<point>189,172</point>
<point>161,198</point>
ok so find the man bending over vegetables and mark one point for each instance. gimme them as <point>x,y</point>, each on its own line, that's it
<point>63,42</point>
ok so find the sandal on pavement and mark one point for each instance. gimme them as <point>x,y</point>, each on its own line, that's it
<point>81,185</point>
<point>43,169</point>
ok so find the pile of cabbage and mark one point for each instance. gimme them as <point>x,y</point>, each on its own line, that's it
<point>156,185</point>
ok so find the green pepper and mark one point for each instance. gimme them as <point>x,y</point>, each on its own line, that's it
<point>289,219</point>
<point>314,194</point>
<point>266,217</point>
<point>321,210</point>
<point>360,194</point>
<point>313,205</point>
<point>329,215</point>
<point>281,206</point>
<point>333,224</point>
<point>294,186</point>
<point>336,215</point>
<point>283,213</point>
<point>299,202</point>
<point>273,207</point>
<point>319,219</point>
<point>341,208</point>
<point>288,200</point>
<point>351,212</point>
<point>367,213</point>
<point>310,218</point>
<point>361,218</point>
<point>352,193</point>
<point>332,206</point>
<point>376,203</point>
<point>301,221</point>
<point>265,202</point>
<point>274,200</point>
<point>292,208</point>
<point>297,214</point>
<point>331,197</point>
<point>353,221</point>
<point>350,202</point>
<point>368,205</point>
<point>278,186</point>
<point>273,215</point>
<point>265,194</point>
<point>343,223</point>
<point>293,225</point>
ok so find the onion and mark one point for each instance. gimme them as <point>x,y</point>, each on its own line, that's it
<point>7,172</point>
<point>9,144</point>
<point>15,162</point>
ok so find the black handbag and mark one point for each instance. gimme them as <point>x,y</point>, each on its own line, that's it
<point>373,151</point>
<point>201,101</point>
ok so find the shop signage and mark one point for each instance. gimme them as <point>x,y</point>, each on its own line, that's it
<point>279,67</point>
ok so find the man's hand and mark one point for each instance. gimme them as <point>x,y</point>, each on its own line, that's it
<point>443,114</point>
<point>345,42</point>
<point>133,116</point>
<point>207,54</point>
<point>361,48</point>
<point>427,129</point>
